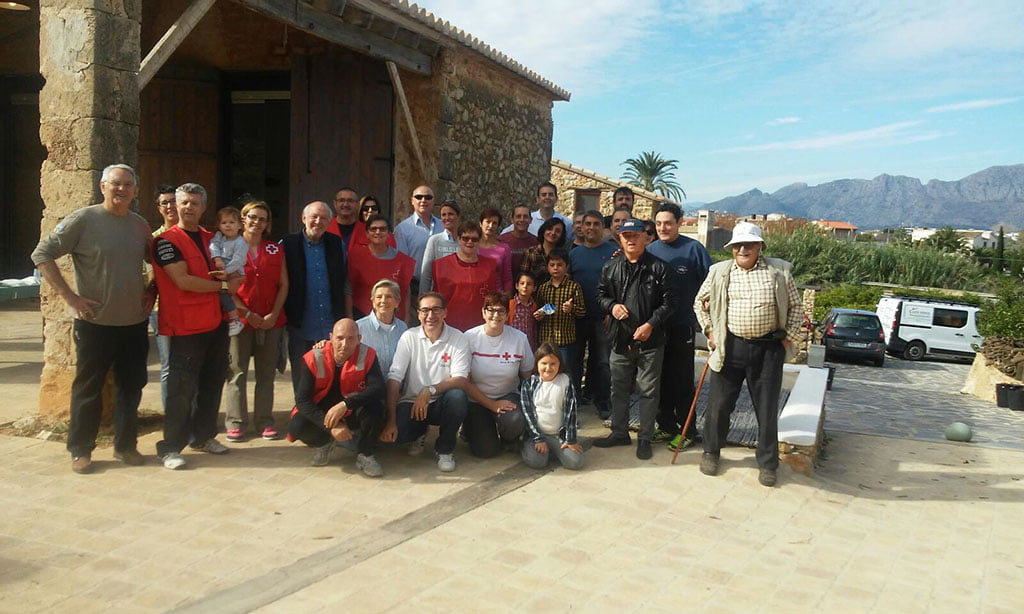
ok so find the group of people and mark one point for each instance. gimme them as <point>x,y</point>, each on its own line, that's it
<point>510,330</point>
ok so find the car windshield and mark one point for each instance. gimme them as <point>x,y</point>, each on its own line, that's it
<point>852,320</point>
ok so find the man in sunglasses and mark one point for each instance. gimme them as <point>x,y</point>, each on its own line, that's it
<point>412,233</point>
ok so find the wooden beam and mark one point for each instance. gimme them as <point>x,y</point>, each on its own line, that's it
<point>381,9</point>
<point>396,83</point>
<point>334,7</point>
<point>331,28</point>
<point>164,47</point>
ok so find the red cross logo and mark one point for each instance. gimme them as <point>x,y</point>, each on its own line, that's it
<point>445,358</point>
<point>272,248</point>
<point>506,356</point>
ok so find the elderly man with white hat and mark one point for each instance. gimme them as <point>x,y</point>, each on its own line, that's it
<point>752,316</point>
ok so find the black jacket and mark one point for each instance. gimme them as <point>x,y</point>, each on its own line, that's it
<point>295,260</point>
<point>648,292</point>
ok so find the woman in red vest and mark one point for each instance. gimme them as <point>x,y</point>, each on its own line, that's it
<point>260,301</point>
<point>368,264</point>
<point>464,279</point>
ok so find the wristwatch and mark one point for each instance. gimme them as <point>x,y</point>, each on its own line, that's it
<point>432,390</point>
<point>224,286</point>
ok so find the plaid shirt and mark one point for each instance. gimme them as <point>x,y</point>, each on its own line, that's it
<point>559,328</point>
<point>568,431</point>
<point>752,312</point>
<point>520,317</point>
<point>535,260</point>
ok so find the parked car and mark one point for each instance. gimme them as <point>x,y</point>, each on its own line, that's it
<point>852,333</point>
<point>914,327</point>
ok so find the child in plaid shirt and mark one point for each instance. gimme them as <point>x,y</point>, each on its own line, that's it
<point>549,406</point>
<point>522,309</point>
<point>566,296</point>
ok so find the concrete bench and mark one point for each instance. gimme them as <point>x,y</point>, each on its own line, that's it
<point>802,420</point>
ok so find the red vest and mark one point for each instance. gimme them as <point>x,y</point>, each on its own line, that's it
<point>183,312</point>
<point>359,236</point>
<point>365,270</point>
<point>262,277</point>
<point>353,373</point>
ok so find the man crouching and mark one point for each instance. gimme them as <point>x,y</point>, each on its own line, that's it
<point>340,390</point>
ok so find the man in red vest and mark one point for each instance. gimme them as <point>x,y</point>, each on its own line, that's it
<point>190,316</point>
<point>341,389</point>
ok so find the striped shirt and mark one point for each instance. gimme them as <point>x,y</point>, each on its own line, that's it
<point>752,312</point>
<point>559,328</point>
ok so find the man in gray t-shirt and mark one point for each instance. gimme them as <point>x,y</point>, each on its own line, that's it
<point>108,244</point>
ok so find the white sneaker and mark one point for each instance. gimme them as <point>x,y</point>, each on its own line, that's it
<point>211,446</point>
<point>235,326</point>
<point>369,466</point>
<point>173,460</point>
<point>322,454</point>
<point>417,445</point>
<point>446,462</point>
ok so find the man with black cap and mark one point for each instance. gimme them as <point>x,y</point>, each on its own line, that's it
<point>752,316</point>
<point>638,291</point>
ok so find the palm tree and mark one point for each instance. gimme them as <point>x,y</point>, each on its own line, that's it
<point>946,239</point>
<point>653,173</point>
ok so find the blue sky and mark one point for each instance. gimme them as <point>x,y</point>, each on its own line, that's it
<point>764,93</point>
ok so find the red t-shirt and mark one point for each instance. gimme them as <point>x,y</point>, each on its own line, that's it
<point>464,285</point>
<point>519,246</point>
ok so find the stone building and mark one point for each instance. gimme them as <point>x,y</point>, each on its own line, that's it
<point>580,189</point>
<point>284,100</point>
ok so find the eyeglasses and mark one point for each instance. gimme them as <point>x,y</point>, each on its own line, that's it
<point>747,245</point>
<point>371,208</point>
<point>496,311</point>
<point>345,200</point>
<point>165,205</point>
<point>378,229</point>
<point>256,219</point>
<point>423,196</point>
<point>426,311</point>
<point>468,239</point>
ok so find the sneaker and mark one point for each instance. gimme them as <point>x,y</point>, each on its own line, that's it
<point>172,460</point>
<point>82,464</point>
<point>270,433</point>
<point>660,436</point>
<point>766,477</point>
<point>322,454</point>
<point>446,462</point>
<point>687,443</point>
<point>211,446</point>
<point>130,457</point>
<point>643,449</point>
<point>234,435</point>
<point>613,440</point>
<point>369,466</point>
<point>709,464</point>
<point>235,326</point>
<point>416,446</point>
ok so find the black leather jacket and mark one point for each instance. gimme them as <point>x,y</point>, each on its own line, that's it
<point>648,292</point>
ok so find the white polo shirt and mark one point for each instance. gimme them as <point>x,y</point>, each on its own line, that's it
<point>420,362</point>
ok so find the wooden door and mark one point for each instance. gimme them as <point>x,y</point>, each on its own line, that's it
<point>341,129</point>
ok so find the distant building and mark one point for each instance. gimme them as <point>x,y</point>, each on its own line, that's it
<point>580,189</point>
<point>840,231</point>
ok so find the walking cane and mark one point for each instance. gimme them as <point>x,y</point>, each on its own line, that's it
<point>693,410</point>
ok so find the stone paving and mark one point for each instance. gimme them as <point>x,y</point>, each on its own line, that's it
<point>887,524</point>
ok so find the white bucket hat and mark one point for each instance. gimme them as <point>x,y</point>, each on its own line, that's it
<point>745,232</point>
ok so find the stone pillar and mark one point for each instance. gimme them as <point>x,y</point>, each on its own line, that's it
<point>705,225</point>
<point>88,119</point>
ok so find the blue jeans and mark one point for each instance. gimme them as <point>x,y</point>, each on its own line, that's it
<point>447,412</point>
<point>297,348</point>
<point>163,348</point>
<point>592,340</point>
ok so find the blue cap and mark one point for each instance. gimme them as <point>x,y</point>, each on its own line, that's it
<point>632,225</point>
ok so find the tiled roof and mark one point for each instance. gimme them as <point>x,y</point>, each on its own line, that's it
<point>462,37</point>
<point>615,182</point>
<point>834,225</point>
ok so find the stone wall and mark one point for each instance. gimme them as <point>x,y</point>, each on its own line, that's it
<point>485,134</point>
<point>88,119</point>
<point>568,181</point>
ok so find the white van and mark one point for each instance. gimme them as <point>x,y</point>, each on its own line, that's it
<point>914,327</point>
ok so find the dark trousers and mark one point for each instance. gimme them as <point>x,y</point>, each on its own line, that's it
<point>98,349</point>
<point>677,387</point>
<point>486,430</point>
<point>760,364</point>
<point>447,412</point>
<point>297,348</point>
<point>570,356</point>
<point>592,340</point>
<point>368,420</point>
<point>198,368</point>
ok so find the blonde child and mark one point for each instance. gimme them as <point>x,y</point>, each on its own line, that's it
<point>549,404</point>
<point>229,252</point>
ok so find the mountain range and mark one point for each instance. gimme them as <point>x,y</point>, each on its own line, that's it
<point>981,200</point>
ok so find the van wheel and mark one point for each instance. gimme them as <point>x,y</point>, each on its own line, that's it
<point>915,351</point>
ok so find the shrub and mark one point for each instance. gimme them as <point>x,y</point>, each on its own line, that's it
<point>1004,317</point>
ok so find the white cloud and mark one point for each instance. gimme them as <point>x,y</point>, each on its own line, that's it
<point>888,135</point>
<point>779,121</point>
<point>970,105</point>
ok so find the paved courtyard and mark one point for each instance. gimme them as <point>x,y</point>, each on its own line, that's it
<point>888,522</point>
